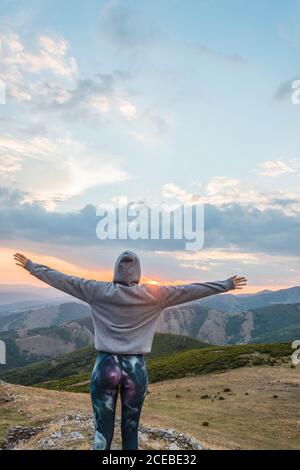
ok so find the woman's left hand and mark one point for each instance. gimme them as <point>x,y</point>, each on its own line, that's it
<point>20,259</point>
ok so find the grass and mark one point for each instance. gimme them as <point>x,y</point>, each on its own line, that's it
<point>248,418</point>
<point>82,360</point>
<point>190,363</point>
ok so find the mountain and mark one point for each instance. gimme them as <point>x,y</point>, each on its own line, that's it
<point>44,316</point>
<point>26,346</point>
<point>17,298</point>
<point>275,323</point>
<point>67,327</point>
<point>12,293</point>
<point>51,330</point>
<point>17,307</point>
<point>13,296</point>
<point>237,303</point>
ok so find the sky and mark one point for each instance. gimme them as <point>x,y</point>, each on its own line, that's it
<point>153,101</point>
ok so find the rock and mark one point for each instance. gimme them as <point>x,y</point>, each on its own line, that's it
<point>63,437</point>
<point>142,437</point>
<point>17,434</point>
<point>6,398</point>
<point>174,446</point>
<point>75,435</point>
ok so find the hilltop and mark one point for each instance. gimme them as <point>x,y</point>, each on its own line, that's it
<point>245,408</point>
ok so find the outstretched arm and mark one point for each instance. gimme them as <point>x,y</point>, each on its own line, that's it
<point>180,294</point>
<point>77,287</point>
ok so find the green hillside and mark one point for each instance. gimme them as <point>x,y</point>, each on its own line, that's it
<point>216,359</point>
<point>82,360</point>
<point>72,371</point>
<point>276,323</point>
<point>192,363</point>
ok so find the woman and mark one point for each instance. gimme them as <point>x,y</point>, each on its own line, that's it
<point>124,315</point>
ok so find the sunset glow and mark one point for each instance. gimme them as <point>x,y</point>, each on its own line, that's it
<point>12,274</point>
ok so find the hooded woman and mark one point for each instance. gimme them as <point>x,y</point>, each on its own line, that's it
<point>124,314</point>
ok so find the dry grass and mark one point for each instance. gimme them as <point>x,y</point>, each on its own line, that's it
<point>261,410</point>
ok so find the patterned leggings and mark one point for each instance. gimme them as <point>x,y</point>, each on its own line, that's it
<point>127,372</point>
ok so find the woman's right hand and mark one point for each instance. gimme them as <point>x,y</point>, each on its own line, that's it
<point>21,260</point>
<point>239,282</point>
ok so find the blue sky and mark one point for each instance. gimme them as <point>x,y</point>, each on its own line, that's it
<point>151,100</point>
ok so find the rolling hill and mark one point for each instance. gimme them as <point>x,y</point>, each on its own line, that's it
<point>71,372</point>
<point>81,360</point>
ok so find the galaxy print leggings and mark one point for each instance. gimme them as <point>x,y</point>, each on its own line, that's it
<point>111,373</point>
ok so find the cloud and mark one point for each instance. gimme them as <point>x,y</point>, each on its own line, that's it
<point>10,198</point>
<point>284,90</point>
<point>93,99</point>
<point>127,109</point>
<point>126,27</point>
<point>56,169</point>
<point>172,191</point>
<point>129,30</point>
<point>251,229</point>
<point>232,58</point>
<point>218,184</point>
<point>101,99</point>
<point>211,259</point>
<point>32,222</point>
<point>223,191</point>
<point>273,168</point>
<point>17,63</point>
<point>51,56</point>
<point>231,228</point>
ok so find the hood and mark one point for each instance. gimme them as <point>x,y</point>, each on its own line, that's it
<point>127,269</point>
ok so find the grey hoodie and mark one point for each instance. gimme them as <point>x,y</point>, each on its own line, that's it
<point>124,312</point>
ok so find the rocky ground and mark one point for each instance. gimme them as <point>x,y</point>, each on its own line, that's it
<point>74,432</point>
<point>71,431</point>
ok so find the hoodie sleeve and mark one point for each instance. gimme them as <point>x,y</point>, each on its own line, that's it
<point>77,287</point>
<point>180,294</point>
